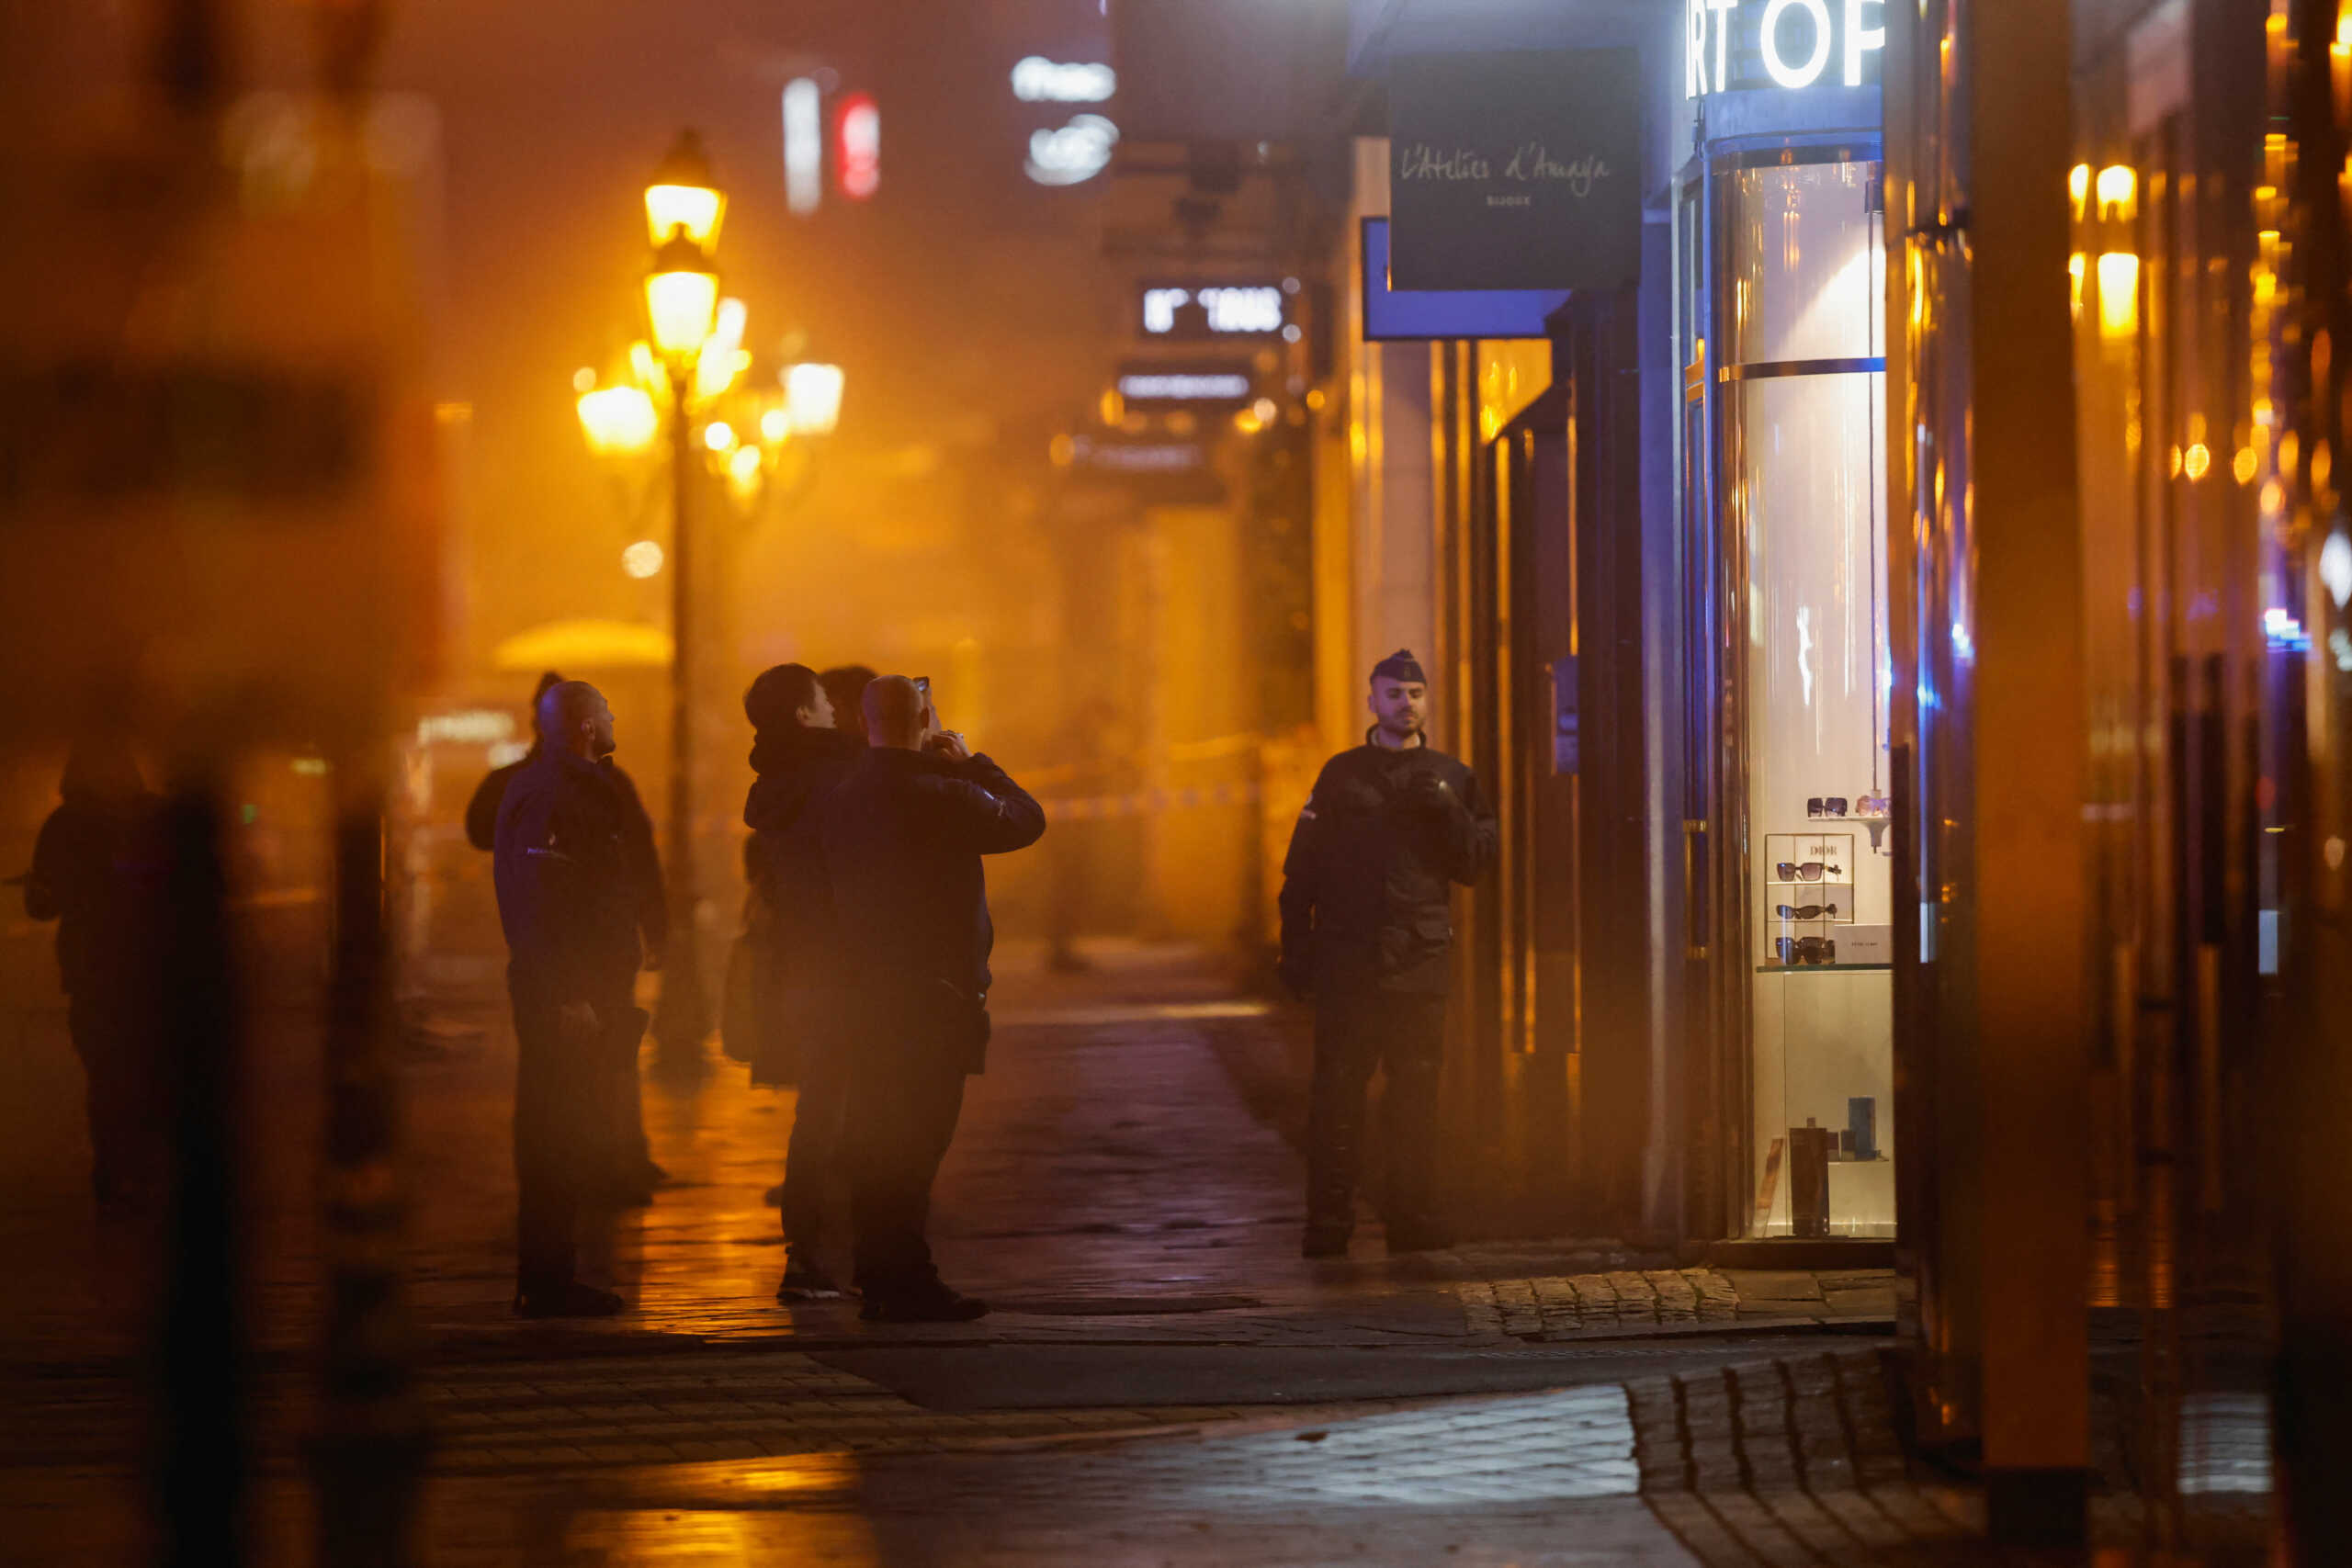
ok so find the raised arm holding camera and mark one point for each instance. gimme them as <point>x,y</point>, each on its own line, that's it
<point>902,840</point>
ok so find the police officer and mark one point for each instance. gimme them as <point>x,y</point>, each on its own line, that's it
<point>1367,932</point>
<point>629,1174</point>
<point>568,890</point>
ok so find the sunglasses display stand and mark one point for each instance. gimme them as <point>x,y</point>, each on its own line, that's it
<point>1820,1033</point>
<point>1788,858</point>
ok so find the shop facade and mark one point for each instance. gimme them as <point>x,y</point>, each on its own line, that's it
<point>1784,785</point>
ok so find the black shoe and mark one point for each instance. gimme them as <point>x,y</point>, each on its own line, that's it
<point>575,1299</point>
<point>934,1303</point>
<point>1321,1243</point>
<point>805,1281</point>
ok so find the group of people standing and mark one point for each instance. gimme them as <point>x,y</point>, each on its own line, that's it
<point>862,976</point>
<point>866,954</point>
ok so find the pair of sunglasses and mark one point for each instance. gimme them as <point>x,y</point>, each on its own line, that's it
<point>1826,806</point>
<point>1805,911</point>
<point>1806,949</point>
<point>1811,871</point>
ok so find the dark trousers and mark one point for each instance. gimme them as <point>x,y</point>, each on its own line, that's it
<point>1403,1033</point>
<point>904,1098</point>
<point>819,1112</point>
<point>120,1080</point>
<point>565,1117</point>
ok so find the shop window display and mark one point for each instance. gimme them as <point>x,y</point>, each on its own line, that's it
<point>1802,401</point>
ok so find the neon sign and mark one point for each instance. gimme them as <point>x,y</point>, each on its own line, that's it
<point>1789,43</point>
<point>1037,79</point>
<point>1215,309</point>
<point>1075,153</point>
<point>858,147</point>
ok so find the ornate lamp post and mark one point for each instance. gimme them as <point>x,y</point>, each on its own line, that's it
<point>683,211</point>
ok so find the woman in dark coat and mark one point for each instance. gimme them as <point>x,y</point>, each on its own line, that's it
<point>799,757</point>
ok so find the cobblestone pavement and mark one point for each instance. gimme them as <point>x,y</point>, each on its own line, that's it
<point>1165,1380</point>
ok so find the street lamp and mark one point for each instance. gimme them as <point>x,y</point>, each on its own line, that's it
<point>812,396</point>
<point>683,210</point>
<point>683,196</point>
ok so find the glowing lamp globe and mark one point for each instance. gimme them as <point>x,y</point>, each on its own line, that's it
<point>812,398</point>
<point>618,419</point>
<point>683,196</point>
<point>680,298</point>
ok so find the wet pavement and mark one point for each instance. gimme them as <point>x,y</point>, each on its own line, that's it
<point>1164,1380</point>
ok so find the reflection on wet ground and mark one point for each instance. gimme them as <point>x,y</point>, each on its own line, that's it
<point>1165,1381</point>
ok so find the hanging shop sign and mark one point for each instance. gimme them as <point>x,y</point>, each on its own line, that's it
<point>1737,45</point>
<point>1417,315</point>
<point>1517,170</point>
<point>1201,311</point>
<point>1156,385</point>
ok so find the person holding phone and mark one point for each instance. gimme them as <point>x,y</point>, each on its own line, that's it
<point>903,837</point>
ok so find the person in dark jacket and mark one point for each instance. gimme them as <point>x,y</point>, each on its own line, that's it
<point>902,840</point>
<point>97,872</point>
<point>1367,930</point>
<point>567,894</point>
<point>799,757</point>
<point>630,1173</point>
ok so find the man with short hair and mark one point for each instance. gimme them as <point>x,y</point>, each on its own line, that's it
<point>902,840</point>
<point>567,898</point>
<point>799,758</point>
<point>1367,930</point>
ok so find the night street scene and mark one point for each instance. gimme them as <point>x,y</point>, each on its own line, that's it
<point>1176,784</point>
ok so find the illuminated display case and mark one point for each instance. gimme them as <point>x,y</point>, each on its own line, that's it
<point>1784,515</point>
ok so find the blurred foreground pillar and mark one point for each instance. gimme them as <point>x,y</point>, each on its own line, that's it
<point>1993,1048</point>
<point>367,1451</point>
<point>201,1460</point>
<point>2311,1075</point>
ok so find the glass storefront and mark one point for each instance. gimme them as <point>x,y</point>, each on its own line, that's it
<point>1792,531</point>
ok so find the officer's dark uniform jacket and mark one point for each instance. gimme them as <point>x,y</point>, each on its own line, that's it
<point>569,882</point>
<point>903,835</point>
<point>653,907</point>
<point>1366,887</point>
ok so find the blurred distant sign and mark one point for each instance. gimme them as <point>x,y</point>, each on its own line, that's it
<point>1115,454</point>
<point>466,727</point>
<point>804,144</point>
<point>1515,170</point>
<point>858,141</point>
<point>1165,385</point>
<point>1073,154</point>
<point>1037,79</point>
<point>1200,311</point>
<point>1154,471</point>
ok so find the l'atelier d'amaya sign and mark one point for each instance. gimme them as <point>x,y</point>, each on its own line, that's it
<point>1517,170</point>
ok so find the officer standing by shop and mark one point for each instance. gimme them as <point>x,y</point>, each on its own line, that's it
<point>1368,932</point>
